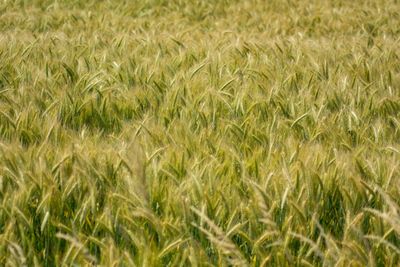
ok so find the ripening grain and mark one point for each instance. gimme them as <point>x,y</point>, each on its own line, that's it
<point>200,133</point>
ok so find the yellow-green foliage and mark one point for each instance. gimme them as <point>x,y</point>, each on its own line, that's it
<point>199,133</point>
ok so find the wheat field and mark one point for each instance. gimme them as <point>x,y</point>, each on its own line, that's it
<point>199,133</point>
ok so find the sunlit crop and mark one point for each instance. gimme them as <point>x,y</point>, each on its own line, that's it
<point>199,133</point>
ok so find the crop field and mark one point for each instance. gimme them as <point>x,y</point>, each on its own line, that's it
<point>199,133</point>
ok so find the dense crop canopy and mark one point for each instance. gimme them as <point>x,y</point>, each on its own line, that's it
<point>199,133</point>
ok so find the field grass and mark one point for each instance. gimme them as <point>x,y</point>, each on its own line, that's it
<point>199,133</point>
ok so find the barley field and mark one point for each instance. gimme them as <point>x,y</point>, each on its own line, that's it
<point>199,133</point>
